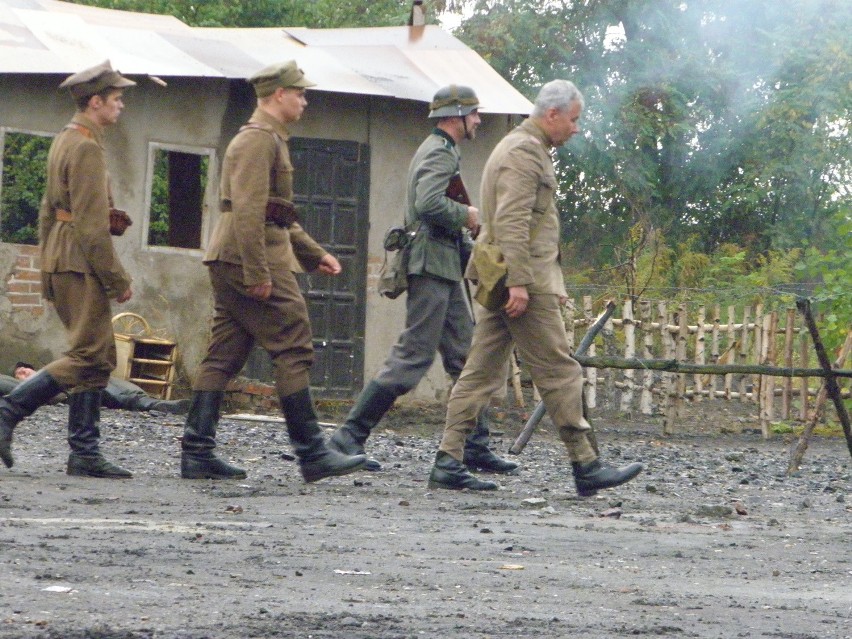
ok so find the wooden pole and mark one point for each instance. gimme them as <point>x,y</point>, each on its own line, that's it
<point>591,393</point>
<point>787,395</point>
<point>805,438</point>
<point>629,351</point>
<point>699,352</point>
<point>673,366</point>
<point>744,344</point>
<point>586,343</point>
<point>646,402</point>
<point>804,306</point>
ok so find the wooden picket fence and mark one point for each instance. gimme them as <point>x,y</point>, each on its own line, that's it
<point>659,330</point>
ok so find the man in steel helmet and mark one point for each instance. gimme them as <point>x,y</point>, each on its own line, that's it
<point>437,318</point>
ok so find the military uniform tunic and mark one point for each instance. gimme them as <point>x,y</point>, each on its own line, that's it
<point>437,316</point>
<point>80,268</point>
<point>247,250</point>
<point>518,194</point>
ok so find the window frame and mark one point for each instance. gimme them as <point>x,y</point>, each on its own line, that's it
<point>211,196</point>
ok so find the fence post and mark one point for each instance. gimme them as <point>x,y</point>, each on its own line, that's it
<point>668,378</point>
<point>744,352</point>
<point>646,401</point>
<point>714,348</point>
<point>787,389</point>
<point>591,372</point>
<point>803,362</point>
<point>699,353</point>
<point>629,352</point>
<point>732,341</point>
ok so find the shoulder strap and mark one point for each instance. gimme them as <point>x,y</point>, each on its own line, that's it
<point>76,126</point>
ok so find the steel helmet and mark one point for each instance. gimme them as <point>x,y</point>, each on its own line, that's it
<point>453,101</point>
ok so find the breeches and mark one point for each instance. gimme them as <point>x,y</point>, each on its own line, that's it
<point>280,325</point>
<point>84,310</point>
<point>540,338</point>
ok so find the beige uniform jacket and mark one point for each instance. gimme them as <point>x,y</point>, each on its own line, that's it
<point>256,167</point>
<point>517,195</point>
<point>77,182</point>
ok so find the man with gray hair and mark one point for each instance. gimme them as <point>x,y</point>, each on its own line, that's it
<point>520,217</point>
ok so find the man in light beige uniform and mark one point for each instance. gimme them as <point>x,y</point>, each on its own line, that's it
<point>255,249</point>
<point>80,274</point>
<point>520,216</point>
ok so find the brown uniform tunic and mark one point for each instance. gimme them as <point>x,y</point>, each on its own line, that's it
<point>80,268</point>
<point>517,194</point>
<point>247,250</point>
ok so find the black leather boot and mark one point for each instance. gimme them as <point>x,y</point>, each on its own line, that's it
<point>316,459</point>
<point>197,460</point>
<point>591,477</point>
<point>372,404</point>
<point>448,472</point>
<point>85,460</point>
<point>22,402</point>
<point>477,455</point>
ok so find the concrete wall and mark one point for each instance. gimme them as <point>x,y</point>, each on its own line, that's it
<point>170,286</point>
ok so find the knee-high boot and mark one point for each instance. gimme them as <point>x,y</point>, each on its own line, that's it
<point>372,404</point>
<point>22,402</point>
<point>197,460</point>
<point>316,459</point>
<point>477,455</point>
<point>84,414</point>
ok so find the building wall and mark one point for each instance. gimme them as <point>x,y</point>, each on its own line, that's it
<point>170,285</point>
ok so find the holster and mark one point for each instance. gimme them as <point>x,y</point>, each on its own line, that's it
<point>281,212</point>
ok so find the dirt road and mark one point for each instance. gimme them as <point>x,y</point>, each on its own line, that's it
<point>713,540</point>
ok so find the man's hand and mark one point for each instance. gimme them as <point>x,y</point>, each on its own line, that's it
<point>329,265</point>
<point>472,220</point>
<point>518,300</point>
<point>260,291</point>
<point>121,299</point>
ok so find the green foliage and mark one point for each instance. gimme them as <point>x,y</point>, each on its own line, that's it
<point>832,271</point>
<point>158,226</point>
<point>24,159</point>
<point>713,121</point>
<point>317,14</point>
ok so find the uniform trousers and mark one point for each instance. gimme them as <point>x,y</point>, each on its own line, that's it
<point>542,344</point>
<point>84,310</point>
<point>437,320</point>
<point>280,325</point>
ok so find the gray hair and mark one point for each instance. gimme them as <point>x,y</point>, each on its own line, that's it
<point>556,94</point>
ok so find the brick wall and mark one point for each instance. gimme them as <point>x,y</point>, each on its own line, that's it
<point>23,286</point>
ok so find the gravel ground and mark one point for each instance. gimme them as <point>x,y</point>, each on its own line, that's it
<point>712,540</point>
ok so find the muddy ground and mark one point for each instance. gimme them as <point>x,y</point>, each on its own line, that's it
<point>712,540</point>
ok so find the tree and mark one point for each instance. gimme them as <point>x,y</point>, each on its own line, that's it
<point>320,14</point>
<point>717,120</point>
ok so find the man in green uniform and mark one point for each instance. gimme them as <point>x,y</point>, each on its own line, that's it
<point>80,274</point>
<point>437,315</point>
<point>520,217</point>
<point>255,249</point>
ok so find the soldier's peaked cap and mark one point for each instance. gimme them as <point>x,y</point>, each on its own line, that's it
<point>284,75</point>
<point>91,81</point>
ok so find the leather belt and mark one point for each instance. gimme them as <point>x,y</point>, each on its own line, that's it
<point>64,216</point>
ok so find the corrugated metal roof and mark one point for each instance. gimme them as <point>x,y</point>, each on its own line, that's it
<point>47,36</point>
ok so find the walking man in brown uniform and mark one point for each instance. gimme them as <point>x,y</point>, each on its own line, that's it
<point>520,216</point>
<point>256,247</point>
<point>80,274</point>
